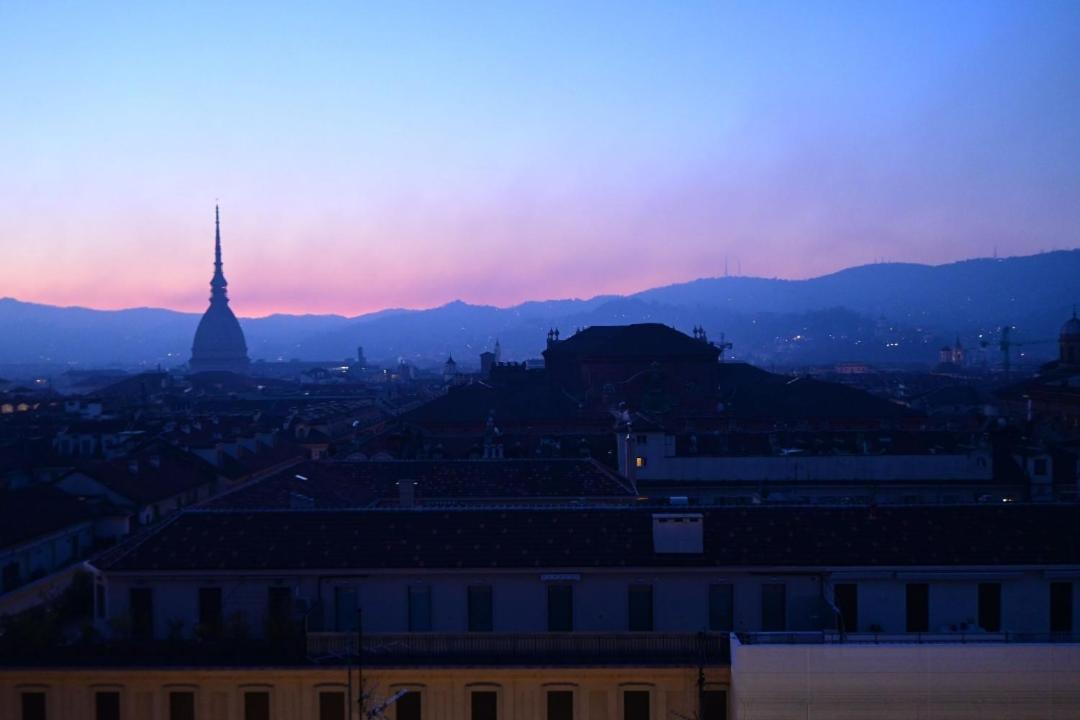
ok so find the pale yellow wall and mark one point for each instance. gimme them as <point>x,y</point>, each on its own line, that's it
<point>867,681</point>
<point>144,693</point>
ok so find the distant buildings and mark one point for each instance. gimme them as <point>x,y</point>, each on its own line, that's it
<point>634,530</point>
<point>954,355</point>
<point>219,342</point>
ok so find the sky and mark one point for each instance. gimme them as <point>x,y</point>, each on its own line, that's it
<point>406,154</point>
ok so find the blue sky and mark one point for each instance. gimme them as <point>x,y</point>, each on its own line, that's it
<point>406,154</point>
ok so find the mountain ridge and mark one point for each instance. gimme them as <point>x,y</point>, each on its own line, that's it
<point>967,298</point>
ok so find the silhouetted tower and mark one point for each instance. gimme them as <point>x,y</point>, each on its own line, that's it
<point>219,342</point>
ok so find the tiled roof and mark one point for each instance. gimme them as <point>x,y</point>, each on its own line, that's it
<point>529,538</point>
<point>747,392</point>
<point>152,476</point>
<point>266,458</point>
<point>534,401</point>
<point>362,484</point>
<point>38,510</point>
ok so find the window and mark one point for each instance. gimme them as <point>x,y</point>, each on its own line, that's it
<point>636,705</point>
<point>345,609</point>
<point>560,705</point>
<point>332,705</point>
<point>641,608</point>
<point>257,705</point>
<point>1061,607</point>
<point>480,609</point>
<point>1040,466</point>
<point>714,705</point>
<point>419,608</point>
<point>182,705</point>
<point>918,607</point>
<point>279,605</point>
<point>409,706</point>
<point>846,597</point>
<point>210,612</point>
<point>33,706</point>
<point>773,607</point>
<point>141,606</point>
<point>560,608</point>
<point>107,705</point>
<point>990,606</point>
<point>722,607</point>
<point>484,705</point>
<point>641,461</point>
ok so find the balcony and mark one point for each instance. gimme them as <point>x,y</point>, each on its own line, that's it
<point>523,650</point>
<point>830,637</point>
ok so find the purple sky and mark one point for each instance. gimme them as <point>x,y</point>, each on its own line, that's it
<point>369,157</point>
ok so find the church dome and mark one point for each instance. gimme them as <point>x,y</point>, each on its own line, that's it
<point>219,341</point>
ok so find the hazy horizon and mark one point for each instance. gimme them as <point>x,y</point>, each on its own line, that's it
<point>467,301</point>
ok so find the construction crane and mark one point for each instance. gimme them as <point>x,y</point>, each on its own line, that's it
<point>722,346</point>
<point>1006,344</point>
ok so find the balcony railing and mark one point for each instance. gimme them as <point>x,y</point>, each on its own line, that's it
<point>524,649</point>
<point>829,637</point>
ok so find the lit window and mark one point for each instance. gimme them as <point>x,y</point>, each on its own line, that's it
<point>640,462</point>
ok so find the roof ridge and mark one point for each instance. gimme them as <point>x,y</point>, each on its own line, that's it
<point>118,552</point>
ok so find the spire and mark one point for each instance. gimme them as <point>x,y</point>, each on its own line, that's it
<point>217,239</point>
<point>218,282</point>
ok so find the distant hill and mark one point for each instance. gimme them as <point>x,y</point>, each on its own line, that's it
<point>884,312</point>
<point>1017,290</point>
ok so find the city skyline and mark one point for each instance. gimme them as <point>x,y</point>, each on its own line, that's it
<point>366,160</point>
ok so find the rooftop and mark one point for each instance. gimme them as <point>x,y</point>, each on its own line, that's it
<point>791,536</point>
<point>161,472</point>
<point>638,340</point>
<point>39,510</point>
<point>365,483</point>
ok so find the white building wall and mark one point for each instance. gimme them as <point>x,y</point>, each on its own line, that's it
<point>661,464</point>
<point>601,601</point>
<point>49,553</point>
<point>680,599</point>
<point>866,681</point>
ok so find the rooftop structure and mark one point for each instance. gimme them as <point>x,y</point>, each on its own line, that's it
<point>219,342</point>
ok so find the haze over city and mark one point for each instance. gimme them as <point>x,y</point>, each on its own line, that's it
<point>368,157</point>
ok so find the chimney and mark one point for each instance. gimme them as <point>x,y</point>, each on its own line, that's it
<point>678,533</point>
<point>406,493</point>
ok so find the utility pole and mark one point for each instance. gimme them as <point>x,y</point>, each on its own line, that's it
<point>360,660</point>
<point>703,639</point>
<point>348,682</point>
